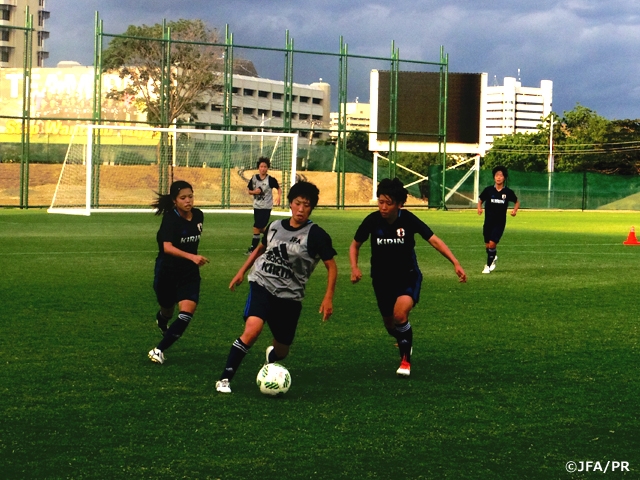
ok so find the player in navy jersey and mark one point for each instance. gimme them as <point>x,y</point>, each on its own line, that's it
<point>261,187</point>
<point>177,270</point>
<point>496,199</point>
<point>394,267</point>
<point>282,265</point>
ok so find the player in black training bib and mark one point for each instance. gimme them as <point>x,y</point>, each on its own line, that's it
<point>282,265</point>
<point>496,199</point>
<point>177,271</point>
<point>394,267</point>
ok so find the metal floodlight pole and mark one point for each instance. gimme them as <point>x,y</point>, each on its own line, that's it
<point>393,109</point>
<point>27,60</point>
<point>94,146</point>
<point>342,124</point>
<point>442,120</point>
<point>228,117</point>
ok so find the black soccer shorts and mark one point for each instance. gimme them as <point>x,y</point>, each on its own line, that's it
<point>389,288</point>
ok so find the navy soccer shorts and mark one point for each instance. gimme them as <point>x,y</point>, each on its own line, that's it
<point>261,217</point>
<point>389,288</point>
<point>493,232</point>
<point>281,314</point>
<point>171,288</point>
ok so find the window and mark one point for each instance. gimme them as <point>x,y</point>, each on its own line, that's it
<point>317,101</point>
<point>304,99</point>
<point>5,14</point>
<point>248,111</point>
<point>262,112</point>
<point>277,114</point>
<point>276,96</point>
<point>249,93</point>
<point>4,35</point>
<point>216,108</point>
<point>304,116</point>
<point>4,56</point>
<point>263,94</point>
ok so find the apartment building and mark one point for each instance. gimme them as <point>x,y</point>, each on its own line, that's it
<point>358,117</point>
<point>12,40</point>
<point>512,108</point>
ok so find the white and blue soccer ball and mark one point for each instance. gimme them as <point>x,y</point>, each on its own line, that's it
<point>273,379</point>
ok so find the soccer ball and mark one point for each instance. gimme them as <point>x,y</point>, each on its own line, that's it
<point>273,379</point>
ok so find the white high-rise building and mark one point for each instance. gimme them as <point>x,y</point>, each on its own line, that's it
<point>512,108</point>
<point>12,40</point>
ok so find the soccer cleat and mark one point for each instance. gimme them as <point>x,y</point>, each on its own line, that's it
<point>487,269</point>
<point>223,386</point>
<point>267,354</point>
<point>492,267</point>
<point>156,356</point>
<point>405,369</point>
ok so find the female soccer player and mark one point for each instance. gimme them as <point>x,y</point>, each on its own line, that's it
<point>394,267</point>
<point>177,272</point>
<point>496,198</point>
<point>282,265</point>
<point>261,187</point>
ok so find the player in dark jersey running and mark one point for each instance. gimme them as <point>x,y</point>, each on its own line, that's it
<point>394,267</point>
<point>496,199</point>
<point>261,187</point>
<point>282,265</point>
<point>177,270</point>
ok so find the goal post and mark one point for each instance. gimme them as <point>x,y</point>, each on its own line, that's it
<point>121,168</point>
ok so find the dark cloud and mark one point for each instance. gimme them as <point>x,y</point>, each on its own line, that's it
<point>587,47</point>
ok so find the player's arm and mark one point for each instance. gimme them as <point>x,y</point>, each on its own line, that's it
<point>239,277</point>
<point>326,307</point>
<point>251,190</point>
<point>276,200</point>
<point>479,207</point>
<point>441,247</point>
<point>515,208</point>
<point>354,252</point>
<point>169,249</point>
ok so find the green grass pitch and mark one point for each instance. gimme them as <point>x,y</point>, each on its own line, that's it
<point>514,374</point>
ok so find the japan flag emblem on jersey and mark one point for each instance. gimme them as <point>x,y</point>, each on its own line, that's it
<point>400,232</point>
<point>504,196</point>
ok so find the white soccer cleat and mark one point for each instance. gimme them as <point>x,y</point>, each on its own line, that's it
<point>487,269</point>
<point>156,356</point>
<point>267,354</point>
<point>492,267</point>
<point>223,386</point>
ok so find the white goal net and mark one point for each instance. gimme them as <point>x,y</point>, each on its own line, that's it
<point>109,168</point>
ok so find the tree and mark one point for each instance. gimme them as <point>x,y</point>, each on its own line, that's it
<point>193,71</point>
<point>358,145</point>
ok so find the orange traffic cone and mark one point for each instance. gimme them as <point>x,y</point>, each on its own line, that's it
<point>631,239</point>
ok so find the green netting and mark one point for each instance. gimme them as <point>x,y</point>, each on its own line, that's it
<point>582,191</point>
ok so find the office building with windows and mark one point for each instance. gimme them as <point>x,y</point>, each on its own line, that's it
<point>12,32</point>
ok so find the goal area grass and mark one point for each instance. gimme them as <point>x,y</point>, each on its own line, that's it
<point>514,373</point>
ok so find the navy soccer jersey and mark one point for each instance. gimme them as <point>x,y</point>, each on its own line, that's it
<point>392,245</point>
<point>496,204</point>
<point>184,235</point>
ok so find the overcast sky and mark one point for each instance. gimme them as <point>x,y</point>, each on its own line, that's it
<point>588,48</point>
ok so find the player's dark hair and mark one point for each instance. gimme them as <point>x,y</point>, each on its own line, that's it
<point>164,203</point>
<point>305,190</point>
<point>263,160</point>
<point>393,189</point>
<point>502,169</point>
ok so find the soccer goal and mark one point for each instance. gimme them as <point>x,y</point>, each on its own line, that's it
<point>120,168</point>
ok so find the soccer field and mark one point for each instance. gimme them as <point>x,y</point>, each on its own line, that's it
<point>514,374</point>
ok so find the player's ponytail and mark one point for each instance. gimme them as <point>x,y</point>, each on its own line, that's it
<point>165,203</point>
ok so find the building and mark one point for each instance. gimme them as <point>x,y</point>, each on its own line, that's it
<point>512,108</point>
<point>358,117</point>
<point>258,104</point>
<point>12,40</point>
